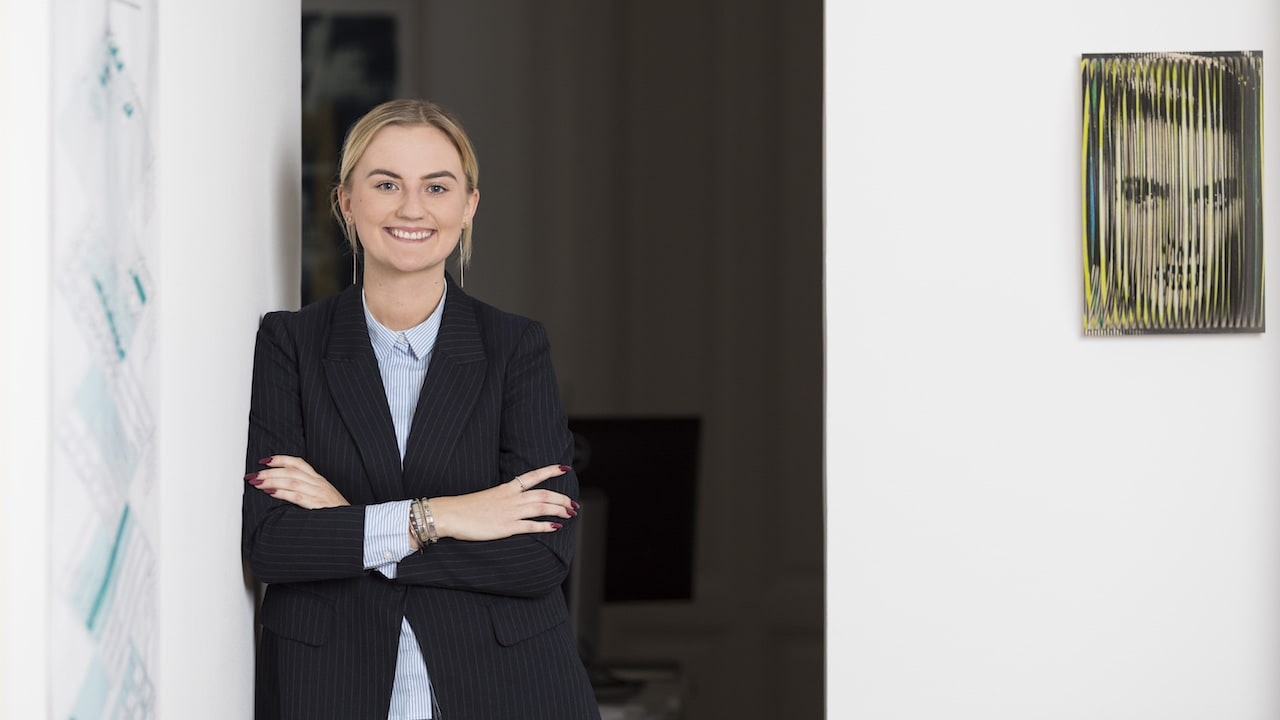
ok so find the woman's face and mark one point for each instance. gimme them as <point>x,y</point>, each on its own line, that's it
<point>408,199</point>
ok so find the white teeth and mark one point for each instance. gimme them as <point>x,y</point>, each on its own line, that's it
<point>421,235</point>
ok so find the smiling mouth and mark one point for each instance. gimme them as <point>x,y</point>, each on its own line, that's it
<point>410,234</point>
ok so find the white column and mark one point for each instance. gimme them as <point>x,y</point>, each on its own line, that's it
<point>227,152</point>
<point>228,195</point>
<point>25,295</point>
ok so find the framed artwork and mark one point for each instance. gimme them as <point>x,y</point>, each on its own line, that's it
<point>354,56</point>
<point>1171,189</point>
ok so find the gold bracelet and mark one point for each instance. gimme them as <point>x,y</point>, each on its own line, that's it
<point>432,536</point>
<point>416,524</point>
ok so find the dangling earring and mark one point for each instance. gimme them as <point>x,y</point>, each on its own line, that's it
<point>355,263</point>
<point>462,265</point>
<point>355,254</point>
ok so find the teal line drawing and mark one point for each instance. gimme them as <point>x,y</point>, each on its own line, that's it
<point>137,283</point>
<point>107,581</point>
<point>120,291</point>
<point>111,318</point>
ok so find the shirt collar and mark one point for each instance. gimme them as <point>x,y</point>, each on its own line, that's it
<point>420,338</point>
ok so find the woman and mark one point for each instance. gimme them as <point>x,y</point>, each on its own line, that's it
<point>413,527</point>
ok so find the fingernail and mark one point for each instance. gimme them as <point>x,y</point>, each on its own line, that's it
<point>554,526</point>
<point>251,477</point>
<point>573,514</point>
<point>564,468</point>
<point>575,504</point>
<point>266,460</point>
<point>256,482</point>
<point>269,491</point>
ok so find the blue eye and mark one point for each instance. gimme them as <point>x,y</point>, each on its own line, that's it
<point>436,189</point>
<point>388,185</point>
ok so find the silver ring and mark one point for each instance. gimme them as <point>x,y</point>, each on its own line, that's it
<point>522,487</point>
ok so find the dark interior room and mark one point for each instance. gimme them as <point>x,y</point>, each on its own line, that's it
<point>651,183</point>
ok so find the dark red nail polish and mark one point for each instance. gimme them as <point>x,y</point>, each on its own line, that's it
<point>251,477</point>
<point>564,468</point>
<point>554,526</point>
<point>256,482</point>
<point>266,460</point>
<point>575,504</point>
<point>270,491</point>
<point>573,514</point>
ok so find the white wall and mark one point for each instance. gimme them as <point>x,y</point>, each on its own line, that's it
<point>228,197</point>
<point>1022,522</point>
<point>25,291</point>
<point>228,203</point>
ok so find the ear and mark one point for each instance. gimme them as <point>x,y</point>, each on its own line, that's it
<point>344,202</point>
<point>469,212</point>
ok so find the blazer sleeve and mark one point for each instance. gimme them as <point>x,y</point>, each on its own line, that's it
<point>533,433</point>
<point>282,542</point>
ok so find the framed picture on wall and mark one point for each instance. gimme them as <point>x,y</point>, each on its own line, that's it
<point>354,56</point>
<point>1172,192</point>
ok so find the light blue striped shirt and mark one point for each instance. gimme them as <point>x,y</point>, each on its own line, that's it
<point>402,358</point>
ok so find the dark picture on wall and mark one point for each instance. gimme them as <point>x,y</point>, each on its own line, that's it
<point>1172,192</point>
<point>351,61</point>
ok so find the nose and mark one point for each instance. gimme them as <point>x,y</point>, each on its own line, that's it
<point>411,206</point>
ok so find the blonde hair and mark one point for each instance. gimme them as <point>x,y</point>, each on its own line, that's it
<point>403,112</point>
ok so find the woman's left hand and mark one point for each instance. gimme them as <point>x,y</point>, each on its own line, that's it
<point>292,479</point>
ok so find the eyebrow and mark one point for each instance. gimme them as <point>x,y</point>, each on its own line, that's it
<point>428,176</point>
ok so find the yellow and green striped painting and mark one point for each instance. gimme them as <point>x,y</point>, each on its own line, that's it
<point>1171,184</point>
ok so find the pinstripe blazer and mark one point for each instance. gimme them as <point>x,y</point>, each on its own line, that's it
<point>489,616</point>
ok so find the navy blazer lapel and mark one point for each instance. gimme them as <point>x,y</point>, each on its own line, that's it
<point>454,379</point>
<point>356,384</point>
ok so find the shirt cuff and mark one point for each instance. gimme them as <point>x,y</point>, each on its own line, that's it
<point>386,536</point>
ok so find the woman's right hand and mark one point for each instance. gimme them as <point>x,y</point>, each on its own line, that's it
<point>504,510</point>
